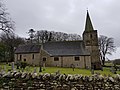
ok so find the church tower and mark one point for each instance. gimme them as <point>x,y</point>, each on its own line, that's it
<point>90,39</point>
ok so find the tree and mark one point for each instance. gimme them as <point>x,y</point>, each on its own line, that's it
<point>31,34</point>
<point>73,37</point>
<point>43,36</point>
<point>106,46</point>
<point>8,44</point>
<point>6,24</point>
<point>2,52</point>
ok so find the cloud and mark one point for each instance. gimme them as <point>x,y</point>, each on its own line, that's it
<point>66,16</point>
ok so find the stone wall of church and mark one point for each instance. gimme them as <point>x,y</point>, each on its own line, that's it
<point>83,62</point>
<point>47,60</point>
<point>66,61</point>
<point>31,58</point>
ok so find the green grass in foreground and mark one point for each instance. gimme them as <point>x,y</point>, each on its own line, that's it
<point>63,70</point>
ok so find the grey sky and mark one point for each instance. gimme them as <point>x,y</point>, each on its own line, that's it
<point>66,16</point>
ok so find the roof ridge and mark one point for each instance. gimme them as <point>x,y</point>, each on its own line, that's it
<point>67,41</point>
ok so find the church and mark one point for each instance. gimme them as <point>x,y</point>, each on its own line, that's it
<point>80,54</point>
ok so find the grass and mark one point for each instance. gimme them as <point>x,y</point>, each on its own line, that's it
<point>62,70</point>
<point>109,64</point>
<point>78,71</point>
<point>67,70</point>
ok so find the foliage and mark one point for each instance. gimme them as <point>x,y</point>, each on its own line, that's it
<point>9,41</point>
<point>116,62</point>
<point>23,65</point>
<point>2,51</point>
<point>106,46</point>
<point>31,35</point>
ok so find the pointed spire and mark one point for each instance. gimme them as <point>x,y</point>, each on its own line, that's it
<point>88,25</point>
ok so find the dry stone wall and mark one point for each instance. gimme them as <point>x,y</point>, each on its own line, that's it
<point>55,81</point>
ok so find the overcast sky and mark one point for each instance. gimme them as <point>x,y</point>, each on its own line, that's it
<point>66,16</point>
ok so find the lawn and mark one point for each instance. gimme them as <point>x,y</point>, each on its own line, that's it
<point>62,70</point>
<point>77,71</point>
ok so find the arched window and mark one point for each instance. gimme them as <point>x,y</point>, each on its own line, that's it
<point>44,59</point>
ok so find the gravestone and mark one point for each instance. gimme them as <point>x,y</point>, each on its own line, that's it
<point>119,68</point>
<point>35,70</point>
<point>18,64</point>
<point>73,66</point>
<point>92,71</point>
<point>12,66</point>
<point>57,72</point>
<point>40,70</point>
<point>5,68</point>
<point>3,72</point>
<point>113,70</point>
<point>43,66</point>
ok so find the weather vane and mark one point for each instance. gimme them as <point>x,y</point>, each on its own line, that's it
<point>87,8</point>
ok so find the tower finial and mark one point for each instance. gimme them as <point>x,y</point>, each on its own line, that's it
<point>87,9</point>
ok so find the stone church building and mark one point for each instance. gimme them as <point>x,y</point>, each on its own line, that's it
<point>80,54</point>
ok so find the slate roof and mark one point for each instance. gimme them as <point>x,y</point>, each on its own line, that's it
<point>27,48</point>
<point>65,48</point>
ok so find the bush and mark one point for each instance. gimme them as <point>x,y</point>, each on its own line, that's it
<point>23,65</point>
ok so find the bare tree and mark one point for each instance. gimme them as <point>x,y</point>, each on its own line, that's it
<point>42,36</point>
<point>106,46</point>
<point>73,37</point>
<point>61,36</point>
<point>6,24</point>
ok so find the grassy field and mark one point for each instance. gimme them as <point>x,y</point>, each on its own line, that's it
<point>62,70</point>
